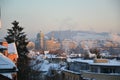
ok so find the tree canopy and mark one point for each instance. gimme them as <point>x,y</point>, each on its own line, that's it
<point>16,34</point>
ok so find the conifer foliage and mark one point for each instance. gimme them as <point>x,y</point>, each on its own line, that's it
<point>17,35</point>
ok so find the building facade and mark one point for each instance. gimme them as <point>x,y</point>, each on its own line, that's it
<point>97,69</point>
<point>52,45</point>
<point>40,42</point>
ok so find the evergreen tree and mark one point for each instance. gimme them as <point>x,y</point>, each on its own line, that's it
<point>17,35</point>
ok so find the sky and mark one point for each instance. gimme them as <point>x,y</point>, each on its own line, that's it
<point>49,15</point>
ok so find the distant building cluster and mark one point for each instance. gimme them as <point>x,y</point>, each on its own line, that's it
<point>74,45</point>
<point>53,44</point>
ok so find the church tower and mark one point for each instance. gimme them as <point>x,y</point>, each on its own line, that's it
<point>40,41</point>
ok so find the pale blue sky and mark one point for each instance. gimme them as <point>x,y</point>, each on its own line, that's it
<point>48,15</point>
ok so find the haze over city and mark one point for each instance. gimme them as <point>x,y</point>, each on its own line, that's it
<point>59,39</point>
<point>48,15</point>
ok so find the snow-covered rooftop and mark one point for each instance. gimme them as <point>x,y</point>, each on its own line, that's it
<point>45,66</point>
<point>50,56</point>
<point>2,47</point>
<point>91,62</point>
<point>71,71</point>
<point>109,63</point>
<point>79,60</point>
<point>7,75</point>
<point>6,63</point>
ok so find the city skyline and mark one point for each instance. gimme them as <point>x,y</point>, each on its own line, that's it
<point>48,15</point>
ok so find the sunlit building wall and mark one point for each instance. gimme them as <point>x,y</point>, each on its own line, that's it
<point>52,44</point>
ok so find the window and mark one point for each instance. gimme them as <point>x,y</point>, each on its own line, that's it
<point>107,70</point>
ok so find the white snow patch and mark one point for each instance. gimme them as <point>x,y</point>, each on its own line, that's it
<point>12,48</point>
<point>5,63</point>
<point>7,75</point>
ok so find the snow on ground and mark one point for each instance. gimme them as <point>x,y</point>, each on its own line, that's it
<point>39,62</point>
<point>44,66</point>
